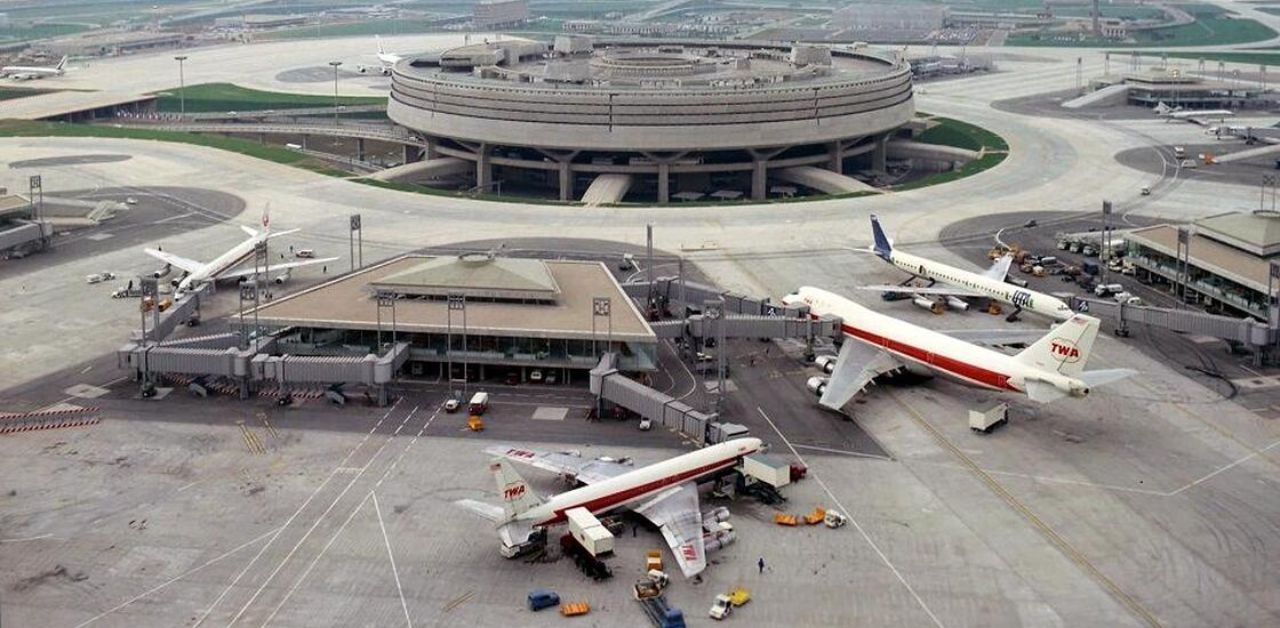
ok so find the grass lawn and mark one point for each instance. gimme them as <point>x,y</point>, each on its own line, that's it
<point>39,31</point>
<point>211,97</point>
<point>951,132</point>
<point>9,93</point>
<point>1206,31</point>
<point>23,128</point>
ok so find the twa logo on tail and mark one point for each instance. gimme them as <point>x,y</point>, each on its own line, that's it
<point>513,491</point>
<point>1064,350</point>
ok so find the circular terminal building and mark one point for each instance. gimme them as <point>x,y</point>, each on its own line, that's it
<point>603,120</point>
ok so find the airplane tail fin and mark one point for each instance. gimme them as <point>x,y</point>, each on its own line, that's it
<point>61,64</point>
<point>517,496</point>
<point>1162,108</point>
<point>883,246</point>
<point>1065,349</point>
<point>1000,270</point>
<point>378,38</point>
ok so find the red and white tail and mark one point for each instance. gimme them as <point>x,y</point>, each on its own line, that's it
<point>517,496</point>
<point>1065,349</point>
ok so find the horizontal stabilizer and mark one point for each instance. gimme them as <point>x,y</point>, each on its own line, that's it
<point>1094,379</point>
<point>274,268</point>
<point>1041,392</point>
<point>488,511</point>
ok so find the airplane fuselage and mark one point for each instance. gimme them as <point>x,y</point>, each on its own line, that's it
<point>232,258</point>
<point>934,351</point>
<point>1029,300</point>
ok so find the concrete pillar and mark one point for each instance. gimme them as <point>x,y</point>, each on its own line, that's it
<point>304,141</point>
<point>431,152</point>
<point>484,171</point>
<point>262,138</point>
<point>759,179</point>
<point>836,161</point>
<point>566,182</point>
<point>880,155</point>
<point>412,154</point>
<point>359,149</point>
<point>664,182</point>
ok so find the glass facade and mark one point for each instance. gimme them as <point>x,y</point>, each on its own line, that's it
<point>1210,288</point>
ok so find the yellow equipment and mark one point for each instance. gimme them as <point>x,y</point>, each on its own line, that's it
<point>573,609</point>
<point>475,424</point>
<point>786,520</point>
<point>739,596</point>
<point>816,516</point>
<point>653,560</point>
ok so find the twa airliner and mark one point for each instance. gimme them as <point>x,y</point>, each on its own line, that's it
<point>665,493</point>
<point>1047,370</point>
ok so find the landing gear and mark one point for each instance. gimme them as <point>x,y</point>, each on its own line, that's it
<point>1013,316</point>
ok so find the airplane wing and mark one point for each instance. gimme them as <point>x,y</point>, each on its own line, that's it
<point>275,267</point>
<point>1000,269</point>
<point>856,366</point>
<point>996,337</point>
<point>188,265</point>
<point>488,511</point>
<point>588,471</point>
<point>675,511</point>
<point>938,290</point>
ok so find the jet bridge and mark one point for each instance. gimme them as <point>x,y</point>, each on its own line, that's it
<point>662,409</point>
<point>1246,331</point>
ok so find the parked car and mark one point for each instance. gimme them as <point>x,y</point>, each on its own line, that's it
<point>535,376</point>
<point>646,424</point>
<point>542,598</point>
<point>452,405</point>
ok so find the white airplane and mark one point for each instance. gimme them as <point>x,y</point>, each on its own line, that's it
<point>385,61</point>
<point>200,273</point>
<point>665,493</point>
<point>962,283</point>
<point>1049,369</point>
<point>1198,116</point>
<point>29,72</point>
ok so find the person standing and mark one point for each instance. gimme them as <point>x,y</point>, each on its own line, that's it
<point>760,564</point>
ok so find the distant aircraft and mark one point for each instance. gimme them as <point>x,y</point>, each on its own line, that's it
<point>385,61</point>
<point>27,72</point>
<point>200,273</point>
<point>962,283</point>
<point>665,493</point>
<point>1197,116</point>
<point>875,344</point>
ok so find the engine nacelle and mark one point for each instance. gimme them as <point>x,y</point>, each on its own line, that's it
<point>926,303</point>
<point>958,304</point>
<point>715,515</point>
<point>386,71</point>
<point>827,363</point>
<point>164,270</point>
<point>816,385</point>
<point>282,278</point>
<point>717,541</point>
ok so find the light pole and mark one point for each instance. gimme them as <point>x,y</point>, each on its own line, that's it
<point>182,86</point>
<point>335,65</point>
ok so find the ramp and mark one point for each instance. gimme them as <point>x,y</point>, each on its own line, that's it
<point>911,149</point>
<point>1261,151</point>
<point>423,170</point>
<point>825,181</point>
<point>1105,97</point>
<point>607,188</point>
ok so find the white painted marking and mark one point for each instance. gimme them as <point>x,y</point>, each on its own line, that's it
<point>98,237</point>
<point>295,514</point>
<point>883,558</point>
<point>391,555</point>
<point>29,538</point>
<point>844,452</point>
<point>1229,466</point>
<point>175,579</point>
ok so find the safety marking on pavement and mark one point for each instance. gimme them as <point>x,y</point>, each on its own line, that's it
<point>251,440</point>
<point>86,391</point>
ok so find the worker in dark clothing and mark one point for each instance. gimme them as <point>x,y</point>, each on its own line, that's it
<point>760,564</point>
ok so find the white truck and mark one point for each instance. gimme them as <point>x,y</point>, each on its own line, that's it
<point>769,470</point>
<point>589,532</point>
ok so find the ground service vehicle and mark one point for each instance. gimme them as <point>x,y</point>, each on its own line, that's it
<point>542,598</point>
<point>479,403</point>
<point>452,405</point>
<point>721,607</point>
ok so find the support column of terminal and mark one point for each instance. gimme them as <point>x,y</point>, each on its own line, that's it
<point>484,170</point>
<point>760,171</point>
<point>664,161</point>
<point>564,166</point>
<point>880,156</point>
<point>835,156</point>
<point>359,149</point>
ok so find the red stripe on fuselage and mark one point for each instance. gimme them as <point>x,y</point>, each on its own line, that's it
<point>964,370</point>
<point>605,502</point>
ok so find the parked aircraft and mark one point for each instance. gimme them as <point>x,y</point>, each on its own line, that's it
<point>28,72</point>
<point>963,284</point>
<point>665,493</point>
<point>875,344</point>
<point>199,273</point>
<point>385,61</point>
<point>1198,116</point>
